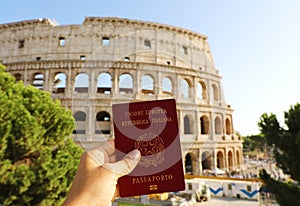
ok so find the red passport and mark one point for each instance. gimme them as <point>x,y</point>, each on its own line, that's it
<point>151,127</point>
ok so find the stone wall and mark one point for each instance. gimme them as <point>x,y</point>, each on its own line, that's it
<point>103,61</point>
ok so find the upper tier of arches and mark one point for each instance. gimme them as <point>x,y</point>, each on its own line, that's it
<point>181,86</point>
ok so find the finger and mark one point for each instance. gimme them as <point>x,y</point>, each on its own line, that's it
<point>101,153</point>
<point>98,156</point>
<point>117,193</point>
<point>109,147</point>
<point>113,158</point>
<point>126,165</point>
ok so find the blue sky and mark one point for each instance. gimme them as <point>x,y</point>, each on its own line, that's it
<point>255,43</point>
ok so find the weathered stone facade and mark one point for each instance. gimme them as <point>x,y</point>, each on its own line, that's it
<point>103,61</point>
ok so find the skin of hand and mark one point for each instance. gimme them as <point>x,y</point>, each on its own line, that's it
<point>95,182</point>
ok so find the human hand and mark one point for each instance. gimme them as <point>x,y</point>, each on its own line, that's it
<point>95,182</point>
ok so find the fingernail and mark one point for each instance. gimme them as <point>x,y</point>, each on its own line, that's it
<point>134,154</point>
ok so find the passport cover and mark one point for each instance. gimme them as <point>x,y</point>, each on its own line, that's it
<point>151,127</point>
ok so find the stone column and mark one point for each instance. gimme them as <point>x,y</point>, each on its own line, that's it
<point>90,121</point>
<point>174,80</point>
<point>214,155</point>
<point>195,90</point>
<point>197,166</point>
<point>181,123</point>
<point>197,124</point>
<point>234,158</point>
<point>136,82</point>
<point>212,126</point>
<point>200,171</point>
<point>226,159</point>
<point>178,87</point>
<point>48,81</point>
<point>92,84</point>
<point>157,84</point>
<point>25,76</point>
<point>70,83</point>
<point>115,82</point>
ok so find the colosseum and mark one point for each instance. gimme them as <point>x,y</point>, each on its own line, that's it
<point>103,61</point>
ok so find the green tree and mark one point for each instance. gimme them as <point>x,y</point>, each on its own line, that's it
<point>254,142</point>
<point>285,141</point>
<point>38,158</point>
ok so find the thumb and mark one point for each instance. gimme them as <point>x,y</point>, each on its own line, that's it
<point>126,165</point>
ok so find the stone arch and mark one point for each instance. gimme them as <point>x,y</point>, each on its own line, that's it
<point>110,58</point>
<point>147,84</point>
<point>228,126</point>
<point>230,160</point>
<point>188,124</point>
<point>167,87</point>
<point>218,125</point>
<point>215,93</point>
<point>18,77</point>
<point>201,90</point>
<point>204,124</point>
<point>207,160</point>
<point>125,83</point>
<point>82,83</point>
<point>220,160</point>
<point>185,88</point>
<point>80,121</point>
<point>59,82</point>
<point>189,163</point>
<point>104,83</point>
<point>103,121</point>
<point>38,81</point>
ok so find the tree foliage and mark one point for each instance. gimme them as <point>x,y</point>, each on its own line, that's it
<point>254,143</point>
<point>285,141</point>
<point>38,158</point>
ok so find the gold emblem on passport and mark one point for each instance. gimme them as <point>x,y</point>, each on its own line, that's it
<point>151,147</point>
<point>153,187</point>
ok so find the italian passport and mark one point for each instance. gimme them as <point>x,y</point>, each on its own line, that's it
<point>152,128</point>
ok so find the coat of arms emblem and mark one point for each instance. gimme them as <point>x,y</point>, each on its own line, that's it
<point>151,147</point>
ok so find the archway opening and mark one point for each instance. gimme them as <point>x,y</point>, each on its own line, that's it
<point>188,164</point>
<point>188,125</point>
<point>104,83</point>
<point>220,160</point>
<point>82,83</point>
<point>207,161</point>
<point>80,119</point>
<point>184,88</point>
<point>218,125</point>
<point>228,126</point>
<point>204,121</point>
<point>167,85</point>
<point>59,83</point>
<point>102,123</point>
<point>215,92</point>
<point>18,77</point>
<point>38,81</point>
<point>125,84</point>
<point>147,83</point>
<point>201,91</point>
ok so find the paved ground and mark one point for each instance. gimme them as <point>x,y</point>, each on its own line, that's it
<point>219,201</point>
<point>224,201</point>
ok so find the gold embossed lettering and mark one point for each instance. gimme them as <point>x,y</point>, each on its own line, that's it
<point>134,113</point>
<point>161,119</point>
<point>153,178</point>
